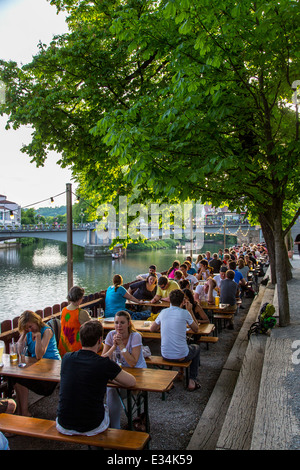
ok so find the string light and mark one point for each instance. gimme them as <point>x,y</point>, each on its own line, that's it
<point>39,202</point>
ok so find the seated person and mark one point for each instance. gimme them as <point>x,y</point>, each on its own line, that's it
<point>206,292</point>
<point>194,308</point>
<point>193,265</point>
<point>178,276</point>
<point>152,270</point>
<point>228,293</point>
<point>164,288</point>
<point>220,277</point>
<point>144,290</point>
<point>184,284</point>
<point>125,340</point>
<point>41,342</point>
<point>238,277</point>
<point>208,256</point>
<point>172,323</point>
<point>215,263</point>
<point>116,296</point>
<point>84,377</point>
<point>193,280</point>
<point>226,259</point>
<point>72,317</point>
<point>190,270</point>
<point>171,271</point>
<point>203,271</point>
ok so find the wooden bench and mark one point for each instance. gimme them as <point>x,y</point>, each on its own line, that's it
<point>221,319</point>
<point>208,340</point>
<point>45,429</point>
<point>159,361</point>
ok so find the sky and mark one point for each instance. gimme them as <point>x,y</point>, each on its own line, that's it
<point>23,23</point>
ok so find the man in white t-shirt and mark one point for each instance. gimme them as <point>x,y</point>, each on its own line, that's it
<point>172,323</point>
<point>220,277</point>
<point>206,292</point>
<point>152,270</point>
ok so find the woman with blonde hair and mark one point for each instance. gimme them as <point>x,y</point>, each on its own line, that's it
<point>126,342</point>
<point>40,340</point>
<point>242,268</point>
<point>116,296</point>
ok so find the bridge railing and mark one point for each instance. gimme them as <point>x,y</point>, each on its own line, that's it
<point>93,225</point>
<point>45,227</point>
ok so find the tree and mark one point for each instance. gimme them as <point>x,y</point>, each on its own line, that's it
<point>28,217</point>
<point>181,99</point>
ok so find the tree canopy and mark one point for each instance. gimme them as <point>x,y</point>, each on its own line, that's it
<point>180,99</point>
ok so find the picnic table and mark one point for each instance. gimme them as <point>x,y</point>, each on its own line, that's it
<point>147,380</point>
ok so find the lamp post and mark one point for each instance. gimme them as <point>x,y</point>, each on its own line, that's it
<point>69,235</point>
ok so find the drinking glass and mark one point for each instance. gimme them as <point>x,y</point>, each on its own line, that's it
<point>116,357</point>
<point>22,351</point>
<point>1,353</point>
<point>100,313</point>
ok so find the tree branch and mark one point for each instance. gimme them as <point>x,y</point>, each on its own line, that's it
<point>288,228</point>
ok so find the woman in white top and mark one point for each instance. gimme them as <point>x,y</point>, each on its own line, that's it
<point>127,342</point>
<point>242,268</point>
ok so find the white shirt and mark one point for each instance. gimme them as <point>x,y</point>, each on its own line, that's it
<point>193,280</point>
<point>218,280</point>
<point>173,322</point>
<point>202,295</point>
<point>144,276</point>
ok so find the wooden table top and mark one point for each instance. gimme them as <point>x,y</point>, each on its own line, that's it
<point>160,303</point>
<point>138,325</point>
<point>150,380</point>
<point>203,329</point>
<point>213,307</point>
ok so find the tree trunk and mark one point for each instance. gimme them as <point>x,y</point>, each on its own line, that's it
<point>283,272</point>
<point>270,242</point>
<point>271,224</point>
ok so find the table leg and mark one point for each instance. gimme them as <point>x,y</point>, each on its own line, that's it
<point>146,411</point>
<point>129,409</point>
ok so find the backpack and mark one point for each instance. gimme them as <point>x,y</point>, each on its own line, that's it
<point>55,326</point>
<point>265,322</point>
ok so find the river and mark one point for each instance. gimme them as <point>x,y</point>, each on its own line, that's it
<point>34,277</point>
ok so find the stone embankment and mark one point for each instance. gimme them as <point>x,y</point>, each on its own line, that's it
<point>255,404</point>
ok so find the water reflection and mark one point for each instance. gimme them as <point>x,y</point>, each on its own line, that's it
<point>35,276</point>
<point>49,256</point>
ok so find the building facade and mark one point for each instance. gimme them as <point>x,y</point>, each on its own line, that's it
<point>10,212</point>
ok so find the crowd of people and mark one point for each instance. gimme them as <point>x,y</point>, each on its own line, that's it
<point>86,404</point>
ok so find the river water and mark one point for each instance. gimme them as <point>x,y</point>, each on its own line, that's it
<point>34,277</point>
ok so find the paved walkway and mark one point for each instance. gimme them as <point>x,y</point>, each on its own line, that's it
<point>256,401</point>
<point>277,425</point>
<point>293,330</point>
